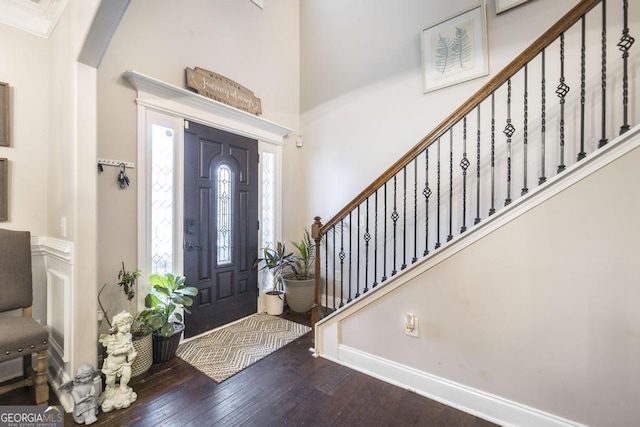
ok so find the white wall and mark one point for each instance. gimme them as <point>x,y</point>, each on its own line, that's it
<point>52,163</point>
<point>258,48</point>
<point>25,67</point>
<point>361,89</point>
<point>541,312</point>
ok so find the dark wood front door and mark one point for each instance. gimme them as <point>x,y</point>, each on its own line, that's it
<point>221,226</point>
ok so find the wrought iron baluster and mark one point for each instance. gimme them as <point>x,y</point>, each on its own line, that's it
<point>583,56</point>
<point>367,238</point>
<point>427,193</point>
<point>415,210</point>
<point>326,274</point>
<point>404,218</point>
<point>450,236</point>
<point>603,77</point>
<point>350,268</point>
<point>464,164</point>
<point>624,45</point>
<point>394,217</point>
<point>342,256</point>
<point>384,246</point>
<point>543,123</point>
<point>562,90</point>
<point>509,131</point>
<point>525,131</point>
<point>358,253</point>
<point>477,220</point>
<point>438,198</point>
<point>492,210</point>
<point>375,243</point>
<point>333,258</point>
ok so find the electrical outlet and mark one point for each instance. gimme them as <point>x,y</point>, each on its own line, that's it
<point>411,325</point>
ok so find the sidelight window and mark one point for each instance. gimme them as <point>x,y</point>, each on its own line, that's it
<point>162,197</point>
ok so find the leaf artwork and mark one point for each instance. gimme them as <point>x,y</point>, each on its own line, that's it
<point>452,53</point>
<point>443,60</point>
<point>462,46</point>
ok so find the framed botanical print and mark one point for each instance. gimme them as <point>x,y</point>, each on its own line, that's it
<point>4,115</point>
<point>455,50</point>
<point>502,5</point>
<point>4,189</point>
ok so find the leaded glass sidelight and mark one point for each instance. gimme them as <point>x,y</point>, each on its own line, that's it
<point>162,195</point>
<point>267,224</point>
<point>267,221</point>
<point>224,216</point>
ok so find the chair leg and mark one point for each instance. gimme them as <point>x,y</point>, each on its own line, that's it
<point>26,370</point>
<point>41,386</point>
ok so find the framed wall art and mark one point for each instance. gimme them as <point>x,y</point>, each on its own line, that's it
<point>502,5</point>
<point>455,50</point>
<point>4,190</point>
<point>4,114</point>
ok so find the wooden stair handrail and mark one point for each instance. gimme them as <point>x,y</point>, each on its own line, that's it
<point>573,16</point>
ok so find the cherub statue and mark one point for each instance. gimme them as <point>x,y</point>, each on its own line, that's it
<point>84,394</point>
<point>117,365</point>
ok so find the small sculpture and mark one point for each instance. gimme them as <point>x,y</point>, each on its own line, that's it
<point>84,394</point>
<point>117,365</point>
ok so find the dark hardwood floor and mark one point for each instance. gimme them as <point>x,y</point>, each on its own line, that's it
<point>288,387</point>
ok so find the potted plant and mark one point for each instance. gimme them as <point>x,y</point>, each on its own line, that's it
<point>299,283</point>
<point>277,261</point>
<point>168,294</point>
<point>141,335</point>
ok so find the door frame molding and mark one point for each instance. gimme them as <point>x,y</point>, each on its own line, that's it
<point>181,104</point>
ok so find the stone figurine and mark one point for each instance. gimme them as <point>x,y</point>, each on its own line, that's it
<point>84,394</point>
<point>117,365</point>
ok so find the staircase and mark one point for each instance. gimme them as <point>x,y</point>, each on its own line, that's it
<point>509,232</point>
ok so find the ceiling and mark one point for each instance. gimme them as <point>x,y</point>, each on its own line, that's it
<point>38,17</point>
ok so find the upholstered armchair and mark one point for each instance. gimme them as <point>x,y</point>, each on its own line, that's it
<point>21,336</point>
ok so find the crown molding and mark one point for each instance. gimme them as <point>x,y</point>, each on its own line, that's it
<point>192,106</point>
<point>38,17</point>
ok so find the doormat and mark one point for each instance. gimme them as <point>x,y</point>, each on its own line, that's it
<point>227,351</point>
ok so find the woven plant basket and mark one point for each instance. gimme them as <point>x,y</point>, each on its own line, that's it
<point>144,359</point>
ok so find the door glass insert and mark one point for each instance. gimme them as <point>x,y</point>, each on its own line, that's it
<point>224,215</point>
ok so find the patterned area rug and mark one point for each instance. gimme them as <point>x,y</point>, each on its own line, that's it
<point>229,350</point>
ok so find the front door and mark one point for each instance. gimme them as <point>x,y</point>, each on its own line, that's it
<point>221,226</point>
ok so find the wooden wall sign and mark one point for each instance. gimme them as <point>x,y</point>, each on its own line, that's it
<point>4,114</point>
<point>222,89</point>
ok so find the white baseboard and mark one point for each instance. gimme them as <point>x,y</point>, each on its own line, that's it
<point>475,402</point>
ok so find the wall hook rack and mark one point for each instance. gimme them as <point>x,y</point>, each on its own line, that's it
<point>116,163</point>
<point>123,179</point>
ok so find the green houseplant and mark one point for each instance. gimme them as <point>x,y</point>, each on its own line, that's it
<point>278,262</point>
<point>141,334</point>
<point>168,295</point>
<point>299,283</point>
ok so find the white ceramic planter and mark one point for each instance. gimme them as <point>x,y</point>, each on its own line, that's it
<point>274,303</point>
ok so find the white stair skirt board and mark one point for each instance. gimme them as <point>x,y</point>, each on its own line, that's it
<point>475,402</point>
<point>484,405</point>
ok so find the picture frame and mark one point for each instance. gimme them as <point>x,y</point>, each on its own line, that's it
<point>464,35</point>
<point>502,5</point>
<point>4,115</point>
<point>4,189</point>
